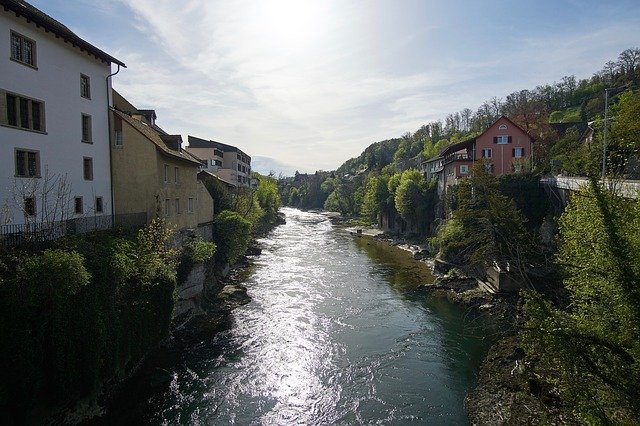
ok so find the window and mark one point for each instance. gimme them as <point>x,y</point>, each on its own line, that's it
<point>240,179</point>
<point>118,141</point>
<point>85,88</point>
<point>167,207</point>
<point>489,168</point>
<point>87,166</point>
<point>177,206</point>
<point>239,168</point>
<point>517,152</point>
<point>502,127</point>
<point>78,207</point>
<point>486,153</point>
<point>23,49</point>
<point>190,205</point>
<point>27,163</point>
<point>218,153</point>
<point>29,206</point>
<point>99,205</point>
<point>176,175</point>
<point>218,163</point>
<point>86,128</point>
<point>464,169</point>
<point>166,173</point>
<point>22,112</point>
<point>502,140</point>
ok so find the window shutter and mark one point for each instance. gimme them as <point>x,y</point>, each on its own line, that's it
<point>513,152</point>
<point>522,150</point>
<point>509,140</point>
<point>495,139</point>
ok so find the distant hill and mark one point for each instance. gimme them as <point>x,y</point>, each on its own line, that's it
<point>265,165</point>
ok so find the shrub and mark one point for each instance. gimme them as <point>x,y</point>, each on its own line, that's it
<point>232,234</point>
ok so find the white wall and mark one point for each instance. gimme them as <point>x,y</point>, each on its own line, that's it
<point>56,82</point>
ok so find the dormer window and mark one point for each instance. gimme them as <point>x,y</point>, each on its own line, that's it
<point>23,49</point>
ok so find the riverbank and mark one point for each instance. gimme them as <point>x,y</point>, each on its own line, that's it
<point>509,390</point>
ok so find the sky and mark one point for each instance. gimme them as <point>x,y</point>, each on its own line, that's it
<point>305,85</point>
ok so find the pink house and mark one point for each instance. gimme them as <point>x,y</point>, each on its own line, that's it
<point>504,146</point>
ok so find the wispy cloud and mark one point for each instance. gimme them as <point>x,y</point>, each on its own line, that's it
<point>316,88</point>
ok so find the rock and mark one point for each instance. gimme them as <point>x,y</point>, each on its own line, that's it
<point>233,295</point>
<point>254,251</point>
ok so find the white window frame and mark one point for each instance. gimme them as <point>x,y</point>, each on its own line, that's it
<point>166,173</point>
<point>518,152</point>
<point>19,103</point>
<point>89,161</point>
<point>25,164</point>
<point>88,137</point>
<point>502,139</point>
<point>177,206</point>
<point>23,42</point>
<point>486,151</point>
<point>99,203</point>
<point>76,205</point>
<point>85,86</point>
<point>167,207</point>
<point>190,205</point>
<point>464,169</point>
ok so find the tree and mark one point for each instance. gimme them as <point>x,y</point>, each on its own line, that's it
<point>624,144</point>
<point>489,227</point>
<point>592,349</point>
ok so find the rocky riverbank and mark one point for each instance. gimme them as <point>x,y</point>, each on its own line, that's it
<point>509,390</point>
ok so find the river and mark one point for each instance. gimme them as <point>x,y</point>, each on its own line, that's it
<point>334,334</point>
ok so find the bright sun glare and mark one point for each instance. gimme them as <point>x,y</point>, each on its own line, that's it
<point>293,23</point>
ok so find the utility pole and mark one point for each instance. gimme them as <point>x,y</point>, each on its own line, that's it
<point>606,128</point>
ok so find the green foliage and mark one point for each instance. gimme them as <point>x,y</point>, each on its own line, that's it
<point>74,317</point>
<point>593,347</point>
<point>375,198</point>
<point>53,276</point>
<point>232,234</point>
<point>220,192</point>
<point>624,144</point>
<point>201,251</point>
<point>570,115</point>
<point>415,200</point>
<point>493,229</point>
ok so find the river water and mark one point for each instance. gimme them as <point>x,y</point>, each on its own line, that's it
<point>334,334</point>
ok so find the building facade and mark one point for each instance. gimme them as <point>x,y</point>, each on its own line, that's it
<point>227,162</point>
<point>152,174</point>
<point>54,128</point>
<point>504,148</point>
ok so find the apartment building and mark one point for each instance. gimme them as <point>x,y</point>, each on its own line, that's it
<point>227,162</point>
<point>54,107</point>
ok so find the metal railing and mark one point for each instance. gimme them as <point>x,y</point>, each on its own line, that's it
<point>39,232</point>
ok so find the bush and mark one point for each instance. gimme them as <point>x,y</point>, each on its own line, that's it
<point>232,234</point>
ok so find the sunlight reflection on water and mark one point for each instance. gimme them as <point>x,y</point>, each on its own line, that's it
<point>326,340</point>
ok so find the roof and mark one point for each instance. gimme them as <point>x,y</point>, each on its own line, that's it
<point>561,128</point>
<point>156,139</point>
<point>205,173</point>
<point>457,147</point>
<point>41,19</point>
<point>465,144</point>
<point>195,142</point>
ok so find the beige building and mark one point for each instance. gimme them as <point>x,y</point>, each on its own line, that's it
<point>151,173</point>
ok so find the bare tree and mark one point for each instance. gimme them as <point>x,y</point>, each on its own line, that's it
<point>629,60</point>
<point>54,195</point>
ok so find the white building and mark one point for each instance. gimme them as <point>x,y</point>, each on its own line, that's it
<point>54,130</point>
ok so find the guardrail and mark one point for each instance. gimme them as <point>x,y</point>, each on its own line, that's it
<point>39,232</point>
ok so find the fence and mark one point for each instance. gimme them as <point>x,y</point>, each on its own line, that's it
<point>39,232</point>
